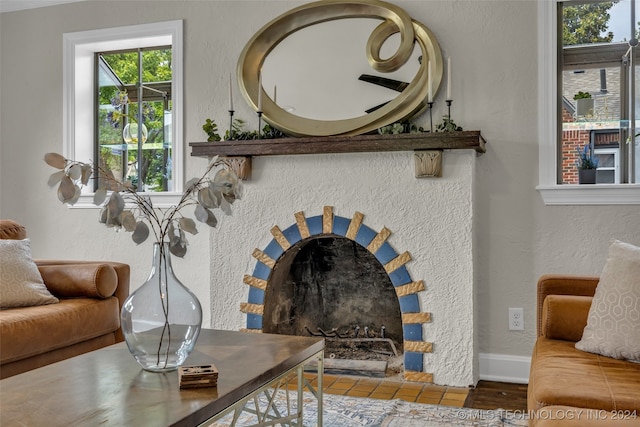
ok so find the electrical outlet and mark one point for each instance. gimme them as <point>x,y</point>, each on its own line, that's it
<point>516,319</point>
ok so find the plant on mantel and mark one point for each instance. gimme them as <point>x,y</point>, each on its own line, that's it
<point>239,133</point>
<point>268,132</point>
<point>126,208</point>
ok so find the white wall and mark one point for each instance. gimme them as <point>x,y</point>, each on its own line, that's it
<point>493,46</point>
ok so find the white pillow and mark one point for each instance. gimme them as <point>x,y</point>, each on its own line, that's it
<point>21,284</point>
<point>613,325</point>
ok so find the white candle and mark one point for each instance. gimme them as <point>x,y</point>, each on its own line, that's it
<point>260,92</point>
<point>449,79</point>
<point>230,94</point>
<point>430,82</point>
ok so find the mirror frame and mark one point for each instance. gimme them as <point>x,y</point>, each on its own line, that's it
<point>411,101</point>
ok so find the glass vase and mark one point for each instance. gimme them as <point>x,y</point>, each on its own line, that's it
<point>161,320</point>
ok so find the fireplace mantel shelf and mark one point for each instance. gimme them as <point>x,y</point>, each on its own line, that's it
<point>342,144</point>
<point>428,148</point>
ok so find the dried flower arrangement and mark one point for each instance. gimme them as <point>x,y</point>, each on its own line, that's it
<point>126,208</point>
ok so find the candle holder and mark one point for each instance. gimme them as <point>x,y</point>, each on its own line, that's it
<point>231,124</point>
<point>449,102</point>
<point>259,124</point>
<point>431,115</point>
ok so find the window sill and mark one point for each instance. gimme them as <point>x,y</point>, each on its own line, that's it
<point>160,200</point>
<point>597,194</point>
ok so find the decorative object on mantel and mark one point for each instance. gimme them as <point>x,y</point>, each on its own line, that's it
<point>587,165</point>
<point>237,132</point>
<point>161,319</point>
<point>448,125</point>
<point>211,129</point>
<point>411,101</point>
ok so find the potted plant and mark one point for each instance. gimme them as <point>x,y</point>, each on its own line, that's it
<point>587,165</point>
<point>584,104</point>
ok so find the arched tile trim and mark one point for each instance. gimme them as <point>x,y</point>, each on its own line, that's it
<point>376,243</point>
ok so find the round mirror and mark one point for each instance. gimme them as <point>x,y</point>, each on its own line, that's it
<point>340,68</point>
<point>301,77</point>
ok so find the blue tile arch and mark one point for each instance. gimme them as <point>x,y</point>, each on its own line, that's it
<point>413,361</point>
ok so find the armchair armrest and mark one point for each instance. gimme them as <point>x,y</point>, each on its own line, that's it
<point>53,270</point>
<point>564,317</point>
<point>86,278</point>
<point>80,280</point>
<point>556,284</point>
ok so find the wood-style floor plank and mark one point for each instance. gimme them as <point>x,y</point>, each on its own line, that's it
<point>494,395</point>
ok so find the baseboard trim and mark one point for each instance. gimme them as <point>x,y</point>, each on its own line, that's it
<point>504,368</point>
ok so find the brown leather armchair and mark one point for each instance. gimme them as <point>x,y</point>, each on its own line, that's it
<point>91,294</point>
<point>569,387</point>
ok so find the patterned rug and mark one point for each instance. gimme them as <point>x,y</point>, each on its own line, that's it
<point>346,411</point>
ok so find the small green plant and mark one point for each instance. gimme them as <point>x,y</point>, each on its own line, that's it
<point>238,131</point>
<point>447,125</point>
<point>586,159</point>
<point>399,128</point>
<point>268,132</point>
<point>392,129</point>
<point>582,95</point>
<point>211,129</point>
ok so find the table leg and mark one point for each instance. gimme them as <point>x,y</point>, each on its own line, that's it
<point>271,415</point>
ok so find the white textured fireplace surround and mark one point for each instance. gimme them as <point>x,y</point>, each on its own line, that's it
<point>431,219</point>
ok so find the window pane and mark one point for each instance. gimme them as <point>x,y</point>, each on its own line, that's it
<point>112,151</point>
<point>587,22</point>
<point>142,118</point>
<point>596,91</point>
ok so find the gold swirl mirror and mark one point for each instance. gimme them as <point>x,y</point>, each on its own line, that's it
<point>413,48</point>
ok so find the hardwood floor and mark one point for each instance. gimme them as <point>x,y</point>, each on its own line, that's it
<point>494,395</point>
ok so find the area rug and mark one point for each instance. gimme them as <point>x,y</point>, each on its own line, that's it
<point>346,411</point>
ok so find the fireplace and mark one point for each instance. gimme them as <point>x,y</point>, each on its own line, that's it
<point>367,195</point>
<point>334,276</point>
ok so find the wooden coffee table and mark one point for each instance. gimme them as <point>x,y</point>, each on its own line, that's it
<point>107,387</point>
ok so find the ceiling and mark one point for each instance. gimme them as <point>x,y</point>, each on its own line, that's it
<point>13,5</point>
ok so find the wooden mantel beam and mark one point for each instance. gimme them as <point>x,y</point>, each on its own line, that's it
<point>342,144</point>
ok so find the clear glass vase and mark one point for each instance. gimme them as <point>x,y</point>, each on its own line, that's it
<point>161,320</point>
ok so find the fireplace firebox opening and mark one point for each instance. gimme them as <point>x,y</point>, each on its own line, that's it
<point>335,277</point>
<point>331,286</point>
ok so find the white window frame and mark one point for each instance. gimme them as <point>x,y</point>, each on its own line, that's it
<point>552,193</point>
<point>78,97</point>
<point>616,161</point>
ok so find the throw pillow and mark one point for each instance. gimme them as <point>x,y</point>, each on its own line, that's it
<point>21,284</point>
<point>613,325</point>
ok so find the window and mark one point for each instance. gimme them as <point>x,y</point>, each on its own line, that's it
<point>152,161</point>
<point>608,171</point>
<point>589,47</point>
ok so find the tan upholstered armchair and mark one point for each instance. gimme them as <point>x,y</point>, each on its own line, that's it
<point>569,387</point>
